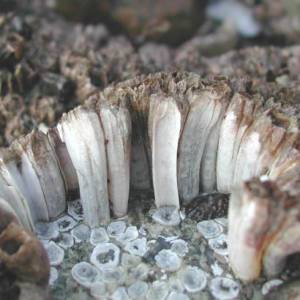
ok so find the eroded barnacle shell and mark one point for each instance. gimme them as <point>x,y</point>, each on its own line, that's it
<point>105,255</point>
<point>65,223</point>
<point>223,288</point>
<point>131,233</point>
<point>113,275</point>
<point>98,289</point>
<point>137,247</point>
<point>7,215</point>
<point>158,290</point>
<point>116,228</point>
<point>64,160</point>
<point>255,214</point>
<point>205,107</point>
<point>222,221</point>
<point>16,201</point>
<point>180,247</point>
<point>227,139</point>
<point>65,241</point>
<point>251,147</point>
<point>42,167</point>
<point>24,255</point>
<point>47,230</point>
<point>140,272</point>
<point>219,244</point>
<point>17,170</point>
<point>81,233</point>
<point>284,242</point>
<point>270,285</point>
<point>209,229</point>
<point>129,260</point>
<point>46,166</point>
<point>55,253</point>
<point>85,141</point>
<point>138,290</point>
<point>120,294</point>
<point>168,260</point>
<point>85,274</point>
<point>194,279</point>
<point>167,215</point>
<point>287,158</point>
<point>75,209</point>
<point>177,296</point>
<point>216,269</point>
<point>53,276</point>
<point>98,235</point>
<point>116,123</point>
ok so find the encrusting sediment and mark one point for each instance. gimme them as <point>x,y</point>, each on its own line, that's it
<point>181,135</point>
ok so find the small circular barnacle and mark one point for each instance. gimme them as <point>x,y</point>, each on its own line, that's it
<point>137,247</point>
<point>81,233</point>
<point>55,253</point>
<point>168,260</point>
<point>98,235</point>
<point>194,279</point>
<point>209,229</point>
<point>223,288</point>
<point>138,290</point>
<point>85,274</point>
<point>105,255</point>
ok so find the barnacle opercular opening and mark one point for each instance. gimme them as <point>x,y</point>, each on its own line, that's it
<point>178,136</point>
<point>11,247</point>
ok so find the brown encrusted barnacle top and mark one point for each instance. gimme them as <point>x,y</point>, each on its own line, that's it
<point>24,261</point>
<point>264,225</point>
<point>178,134</point>
<point>24,255</point>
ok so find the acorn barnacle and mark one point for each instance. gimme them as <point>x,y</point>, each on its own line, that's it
<point>178,135</point>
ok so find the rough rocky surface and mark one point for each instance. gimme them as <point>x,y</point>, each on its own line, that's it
<point>189,258</point>
<point>48,64</point>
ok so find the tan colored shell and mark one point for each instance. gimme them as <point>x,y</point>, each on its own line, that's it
<point>23,255</point>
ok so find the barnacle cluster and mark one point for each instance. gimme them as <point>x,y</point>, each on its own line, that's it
<point>180,135</point>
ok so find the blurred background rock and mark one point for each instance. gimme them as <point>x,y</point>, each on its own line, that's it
<point>55,53</point>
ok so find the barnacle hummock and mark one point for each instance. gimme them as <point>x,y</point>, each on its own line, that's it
<point>180,135</point>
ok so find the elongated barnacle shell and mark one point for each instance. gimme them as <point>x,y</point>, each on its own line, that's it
<point>164,131</point>
<point>84,137</point>
<point>18,172</point>
<point>255,214</point>
<point>16,201</point>
<point>197,127</point>
<point>7,215</point>
<point>64,160</point>
<point>116,123</point>
<point>46,166</point>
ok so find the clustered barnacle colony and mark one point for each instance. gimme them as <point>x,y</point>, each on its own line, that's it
<point>180,135</point>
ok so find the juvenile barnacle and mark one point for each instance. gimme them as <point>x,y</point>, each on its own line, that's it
<point>105,255</point>
<point>85,274</point>
<point>55,253</point>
